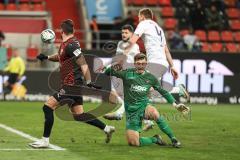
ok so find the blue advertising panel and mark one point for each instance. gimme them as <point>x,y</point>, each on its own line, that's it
<point>105,10</point>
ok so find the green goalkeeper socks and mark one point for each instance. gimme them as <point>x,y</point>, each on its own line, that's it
<point>162,124</point>
<point>144,141</point>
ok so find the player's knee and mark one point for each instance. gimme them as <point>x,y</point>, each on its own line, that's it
<point>133,142</point>
<point>155,114</point>
<point>51,103</point>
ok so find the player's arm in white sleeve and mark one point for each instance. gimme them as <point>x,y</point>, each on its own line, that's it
<point>169,59</point>
<point>170,62</point>
<point>119,58</point>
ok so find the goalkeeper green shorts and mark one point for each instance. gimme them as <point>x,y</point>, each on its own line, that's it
<point>134,120</point>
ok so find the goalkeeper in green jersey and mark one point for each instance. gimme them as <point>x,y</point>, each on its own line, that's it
<point>137,83</point>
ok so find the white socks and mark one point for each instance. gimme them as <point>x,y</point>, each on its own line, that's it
<point>46,139</point>
<point>120,110</point>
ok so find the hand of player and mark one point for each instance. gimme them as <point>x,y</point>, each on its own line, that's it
<point>117,67</point>
<point>174,73</point>
<point>42,57</point>
<point>100,69</point>
<point>182,108</point>
<point>93,85</point>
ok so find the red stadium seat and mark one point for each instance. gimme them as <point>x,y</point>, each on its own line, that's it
<point>32,52</point>
<point>235,24</point>
<point>227,36</point>
<point>38,7</point>
<point>205,47</point>
<point>184,32</point>
<point>237,37</point>
<point>2,7</point>
<point>233,13</point>
<point>230,3</point>
<point>129,2</point>
<point>216,47</point>
<point>152,2</point>
<point>138,2</point>
<point>170,23</point>
<point>24,7</point>
<point>37,1</point>
<point>9,50</point>
<point>24,1</point>
<point>164,2</point>
<point>213,36</point>
<point>11,7</point>
<point>167,12</point>
<point>201,34</point>
<point>232,47</point>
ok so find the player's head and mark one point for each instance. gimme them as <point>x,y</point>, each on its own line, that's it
<point>145,13</point>
<point>127,32</point>
<point>67,27</point>
<point>140,62</point>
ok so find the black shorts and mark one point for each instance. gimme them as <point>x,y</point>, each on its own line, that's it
<point>62,96</point>
<point>13,77</point>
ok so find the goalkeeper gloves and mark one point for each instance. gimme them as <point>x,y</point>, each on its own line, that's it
<point>42,57</point>
<point>182,108</point>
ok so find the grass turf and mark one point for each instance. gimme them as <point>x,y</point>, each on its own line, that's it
<point>211,133</point>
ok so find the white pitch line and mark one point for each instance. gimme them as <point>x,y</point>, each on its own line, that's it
<point>27,149</point>
<point>27,136</point>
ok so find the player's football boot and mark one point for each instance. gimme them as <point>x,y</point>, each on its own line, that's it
<point>149,125</point>
<point>42,143</point>
<point>113,116</point>
<point>176,143</point>
<point>183,92</point>
<point>160,140</point>
<point>109,130</point>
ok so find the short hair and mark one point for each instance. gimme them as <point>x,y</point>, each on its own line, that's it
<point>67,26</point>
<point>128,27</point>
<point>140,56</point>
<point>147,13</point>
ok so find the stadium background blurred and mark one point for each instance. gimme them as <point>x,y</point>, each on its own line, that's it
<point>204,42</point>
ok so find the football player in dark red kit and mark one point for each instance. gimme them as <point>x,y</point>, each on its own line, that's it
<point>72,68</point>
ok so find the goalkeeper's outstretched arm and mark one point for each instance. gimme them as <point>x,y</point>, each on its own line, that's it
<point>170,99</point>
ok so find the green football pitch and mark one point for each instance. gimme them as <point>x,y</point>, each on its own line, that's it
<point>209,133</point>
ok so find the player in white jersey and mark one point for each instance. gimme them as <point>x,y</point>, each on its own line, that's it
<point>117,85</point>
<point>158,54</point>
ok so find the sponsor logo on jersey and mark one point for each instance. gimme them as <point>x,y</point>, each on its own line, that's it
<point>138,88</point>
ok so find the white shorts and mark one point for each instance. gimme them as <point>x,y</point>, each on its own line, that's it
<point>157,69</point>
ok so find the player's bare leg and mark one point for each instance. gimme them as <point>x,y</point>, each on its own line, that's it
<point>152,113</point>
<point>48,109</point>
<point>118,114</point>
<point>79,115</point>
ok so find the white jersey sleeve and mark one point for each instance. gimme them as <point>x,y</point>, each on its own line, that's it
<point>141,28</point>
<point>119,49</point>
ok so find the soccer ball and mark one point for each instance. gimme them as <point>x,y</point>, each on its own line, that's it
<point>48,36</point>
